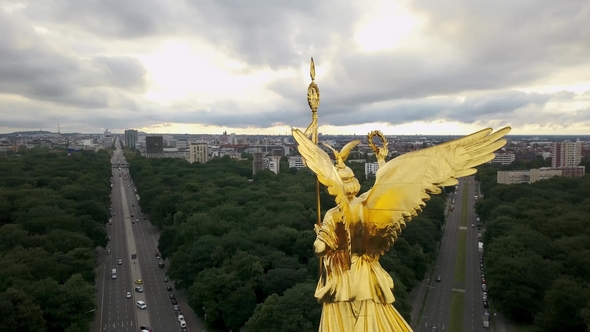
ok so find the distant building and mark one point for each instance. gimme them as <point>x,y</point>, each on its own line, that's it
<point>199,152</point>
<point>175,153</point>
<point>503,158</point>
<point>273,164</point>
<point>537,174</point>
<point>524,156</point>
<point>278,152</point>
<point>296,162</point>
<point>566,154</point>
<point>257,164</point>
<point>130,138</point>
<point>154,146</point>
<point>182,143</point>
<point>371,169</point>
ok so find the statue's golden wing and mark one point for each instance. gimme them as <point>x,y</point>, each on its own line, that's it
<point>404,184</point>
<point>320,163</point>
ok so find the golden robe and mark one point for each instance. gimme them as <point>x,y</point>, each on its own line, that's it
<point>356,293</point>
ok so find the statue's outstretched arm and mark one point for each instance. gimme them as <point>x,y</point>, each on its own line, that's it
<point>326,239</point>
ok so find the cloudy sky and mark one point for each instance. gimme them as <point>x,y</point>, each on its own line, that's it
<point>205,66</point>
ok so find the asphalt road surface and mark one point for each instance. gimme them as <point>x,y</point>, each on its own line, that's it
<point>473,310</point>
<point>437,311</point>
<point>118,313</point>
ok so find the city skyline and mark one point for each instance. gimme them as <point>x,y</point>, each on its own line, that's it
<point>405,67</point>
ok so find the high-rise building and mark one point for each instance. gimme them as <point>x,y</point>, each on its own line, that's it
<point>130,138</point>
<point>371,169</point>
<point>257,164</point>
<point>272,163</point>
<point>199,152</point>
<point>154,146</point>
<point>566,154</point>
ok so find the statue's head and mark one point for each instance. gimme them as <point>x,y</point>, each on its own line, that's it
<point>351,184</point>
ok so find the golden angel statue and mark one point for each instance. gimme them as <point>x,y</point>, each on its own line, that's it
<point>355,291</point>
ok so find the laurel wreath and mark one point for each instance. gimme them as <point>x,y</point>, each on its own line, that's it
<point>372,135</point>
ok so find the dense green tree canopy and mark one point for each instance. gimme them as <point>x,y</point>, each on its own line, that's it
<point>537,240</point>
<point>53,211</point>
<point>242,246</point>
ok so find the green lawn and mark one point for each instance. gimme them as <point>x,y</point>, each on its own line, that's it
<point>457,304</point>
<point>464,203</point>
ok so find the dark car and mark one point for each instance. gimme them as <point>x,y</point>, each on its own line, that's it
<point>161,265</point>
<point>166,279</point>
<point>172,296</point>
<point>169,288</point>
<point>174,301</point>
<point>485,304</point>
<point>438,279</point>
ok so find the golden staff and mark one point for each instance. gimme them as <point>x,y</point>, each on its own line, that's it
<point>313,100</point>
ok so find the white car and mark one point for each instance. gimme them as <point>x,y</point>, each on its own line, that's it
<point>120,262</point>
<point>182,323</point>
<point>141,305</point>
<point>180,317</point>
<point>128,295</point>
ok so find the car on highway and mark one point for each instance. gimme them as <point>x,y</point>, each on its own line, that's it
<point>166,279</point>
<point>109,237</point>
<point>176,308</point>
<point>139,289</point>
<point>108,251</point>
<point>141,305</point>
<point>173,301</point>
<point>472,225</point>
<point>138,281</point>
<point>180,317</point>
<point>128,295</point>
<point>182,323</point>
<point>171,296</point>
<point>438,279</point>
<point>169,288</point>
<point>120,262</point>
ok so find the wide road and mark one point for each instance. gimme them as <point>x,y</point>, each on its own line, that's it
<point>117,313</point>
<point>473,310</point>
<point>160,307</point>
<point>134,235</point>
<point>437,310</point>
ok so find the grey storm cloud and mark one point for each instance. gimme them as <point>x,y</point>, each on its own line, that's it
<point>483,55</point>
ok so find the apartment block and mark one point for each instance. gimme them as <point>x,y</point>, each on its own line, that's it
<point>199,152</point>
<point>566,154</point>
<point>503,158</point>
<point>537,174</point>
